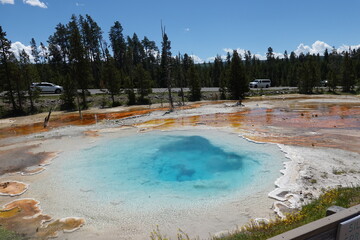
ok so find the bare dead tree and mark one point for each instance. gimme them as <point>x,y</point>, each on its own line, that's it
<point>47,119</point>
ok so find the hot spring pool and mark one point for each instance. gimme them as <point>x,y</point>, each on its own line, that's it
<point>168,169</point>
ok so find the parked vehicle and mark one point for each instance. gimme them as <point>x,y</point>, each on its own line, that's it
<point>260,83</point>
<point>47,87</point>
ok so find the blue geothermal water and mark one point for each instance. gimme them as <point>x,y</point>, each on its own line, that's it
<point>192,158</point>
<point>172,166</point>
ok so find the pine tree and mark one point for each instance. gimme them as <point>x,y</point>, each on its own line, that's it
<point>80,65</point>
<point>304,79</point>
<point>143,82</point>
<point>19,84</point>
<point>5,55</point>
<point>151,61</point>
<point>55,61</point>
<point>324,65</point>
<point>138,53</point>
<point>28,74</point>
<point>334,69</point>
<point>216,71</point>
<point>237,82</point>
<point>356,59</point>
<point>69,93</point>
<point>165,66</point>
<point>348,80</point>
<point>284,68</point>
<point>293,73</point>
<point>129,85</point>
<point>317,69</point>
<point>333,79</point>
<point>128,66</point>
<point>270,65</point>
<point>34,51</point>
<point>248,66</point>
<point>60,39</point>
<point>195,87</point>
<point>187,63</point>
<point>304,83</point>
<point>150,49</point>
<point>92,37</point>
<point>118,44</point>
<point>228,59</point>
<point>224,79</point>
<point>203,70</point>
<point>223,84</point>
<point>112,78</point>
<point>178,76</point>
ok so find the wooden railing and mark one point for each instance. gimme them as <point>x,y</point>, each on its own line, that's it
<point>343,225</point>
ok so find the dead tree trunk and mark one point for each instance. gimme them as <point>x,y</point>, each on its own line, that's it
<point>46,121</point>
<point>79,108</point>
<point>171,102</point>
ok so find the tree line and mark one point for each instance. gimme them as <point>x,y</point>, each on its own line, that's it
<point>79,57</point>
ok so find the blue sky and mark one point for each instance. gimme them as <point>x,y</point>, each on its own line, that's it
<point>203,28</point>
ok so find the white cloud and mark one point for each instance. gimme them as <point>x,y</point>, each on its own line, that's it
<point>345,48</point>
<point>260,56</point>
<point>196,59</point>
<point>210,59</point>
<point>317,47</point>
<point>7,1</point>
<point>239,51</point>
<point>227,50</point>
<point>17,47</point>
<point>187,29</point>
<point>278,55</point>
<point>35,3</point>
<point>257,55</point>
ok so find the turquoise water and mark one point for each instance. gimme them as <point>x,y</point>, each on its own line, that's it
<point>192,158</point>
<point>171,167</point>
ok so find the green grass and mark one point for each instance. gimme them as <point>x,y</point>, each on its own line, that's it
<point>343,197</point>
<point>9,235</point>
<point>156,235</point>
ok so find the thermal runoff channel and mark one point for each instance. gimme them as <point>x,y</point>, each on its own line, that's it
<point>173,167</point>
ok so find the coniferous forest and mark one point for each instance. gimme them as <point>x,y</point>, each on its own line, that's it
<point>79,55</point>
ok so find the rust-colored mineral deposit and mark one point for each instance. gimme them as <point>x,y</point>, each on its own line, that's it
<point>311,125</point>
<point>65,224</point>
<point>12,188</point>
<point>25,217</point>
<point>67,119</point>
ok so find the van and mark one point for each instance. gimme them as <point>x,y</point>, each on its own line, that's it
<point>260,83</point>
